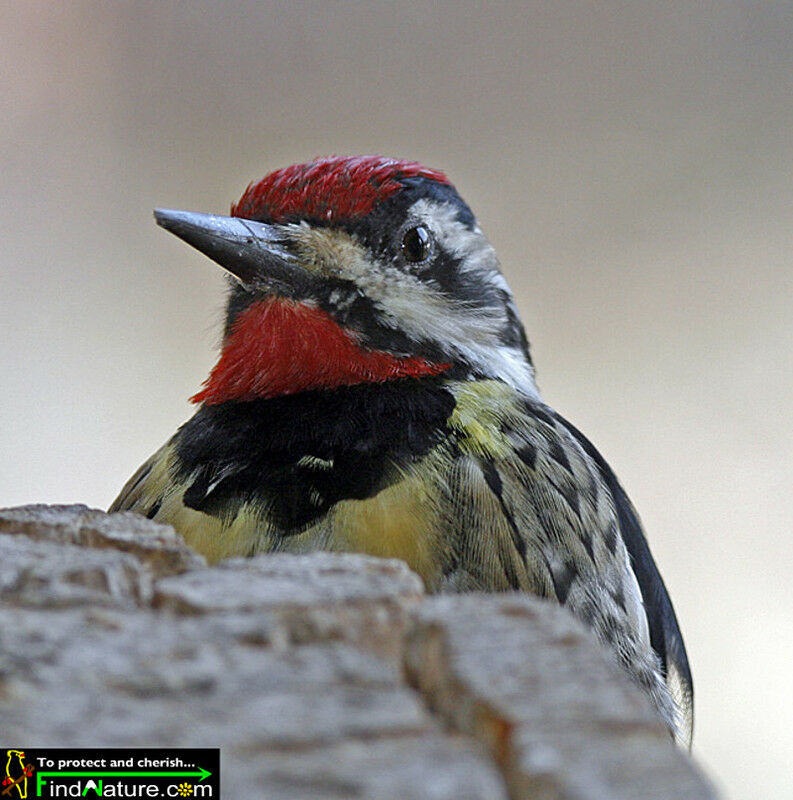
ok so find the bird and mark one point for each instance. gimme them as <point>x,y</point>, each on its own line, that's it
<point>375,393</point>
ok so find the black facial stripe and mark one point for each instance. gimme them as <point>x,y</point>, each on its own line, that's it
<point>445,273</point>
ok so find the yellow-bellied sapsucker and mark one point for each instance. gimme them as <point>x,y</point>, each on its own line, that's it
<point>375,393</point>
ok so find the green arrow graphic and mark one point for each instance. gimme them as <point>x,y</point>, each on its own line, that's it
<point>201,774</point>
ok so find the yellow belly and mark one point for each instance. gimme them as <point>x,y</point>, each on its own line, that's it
<point>401,521</point>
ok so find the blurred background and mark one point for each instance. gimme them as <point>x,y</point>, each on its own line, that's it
<point>631,162</point>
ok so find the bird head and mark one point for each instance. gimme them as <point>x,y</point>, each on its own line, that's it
<point>349,270</point>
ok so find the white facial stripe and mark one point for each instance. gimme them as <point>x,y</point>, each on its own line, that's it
<point>471,334</point>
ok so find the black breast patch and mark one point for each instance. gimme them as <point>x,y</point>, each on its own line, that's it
<point>300,454</point>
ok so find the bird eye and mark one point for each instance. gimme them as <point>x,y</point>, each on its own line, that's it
<point>416,244</point>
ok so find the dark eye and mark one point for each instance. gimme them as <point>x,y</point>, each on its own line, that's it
<point>416,244</point>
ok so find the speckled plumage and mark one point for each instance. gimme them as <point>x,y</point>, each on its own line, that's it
<point>460,470</point>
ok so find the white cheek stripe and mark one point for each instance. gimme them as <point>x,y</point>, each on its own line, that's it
<point>470,334</point>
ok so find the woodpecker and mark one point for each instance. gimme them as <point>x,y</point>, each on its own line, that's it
<point>375,393</point>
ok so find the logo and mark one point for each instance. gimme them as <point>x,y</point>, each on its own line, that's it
<point>110,772</point>
<point>15,783</point>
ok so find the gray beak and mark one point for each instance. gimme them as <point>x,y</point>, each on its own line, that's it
<point>252,252</point>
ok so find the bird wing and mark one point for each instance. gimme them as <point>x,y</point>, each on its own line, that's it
<point>143,492</point>
<point>158,490</point>
<point>665,636</point>
<point>574,530</point>
<point>193,468</point>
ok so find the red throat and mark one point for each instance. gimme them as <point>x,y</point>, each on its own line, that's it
<point>279,347</point>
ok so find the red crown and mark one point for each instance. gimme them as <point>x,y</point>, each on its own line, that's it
<point>330,189</point>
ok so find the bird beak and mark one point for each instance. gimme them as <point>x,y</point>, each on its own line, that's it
<point>252,252</point>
